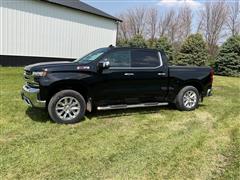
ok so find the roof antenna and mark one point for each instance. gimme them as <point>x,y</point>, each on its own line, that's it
<point>111,46</point>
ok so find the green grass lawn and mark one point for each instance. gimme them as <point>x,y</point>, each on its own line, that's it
<point>147,143</point>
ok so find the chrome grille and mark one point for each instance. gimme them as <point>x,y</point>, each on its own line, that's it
<point>29,78</point>
<point>26,72</point>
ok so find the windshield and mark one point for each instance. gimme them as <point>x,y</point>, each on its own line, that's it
<point>91,56</point>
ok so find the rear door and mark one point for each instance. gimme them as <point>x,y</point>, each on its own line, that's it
<point>150,77</point>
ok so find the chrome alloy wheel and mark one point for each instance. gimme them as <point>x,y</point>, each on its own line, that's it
<point>67,108</point>
<point>190,99</point>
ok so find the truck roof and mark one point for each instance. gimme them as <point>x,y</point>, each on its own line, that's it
<point>113,47</point>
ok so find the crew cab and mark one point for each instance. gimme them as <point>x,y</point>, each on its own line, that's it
<point>113,78</point>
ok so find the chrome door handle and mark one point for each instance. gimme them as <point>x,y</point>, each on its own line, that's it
<point>128,74</point>
<point>161,74</point>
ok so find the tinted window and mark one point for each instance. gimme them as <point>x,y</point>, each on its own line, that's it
<point>142,58</point>
<point>119,58</point>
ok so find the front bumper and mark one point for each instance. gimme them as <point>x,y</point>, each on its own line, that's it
<point>30,97</point>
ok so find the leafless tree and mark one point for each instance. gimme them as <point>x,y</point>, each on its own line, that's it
<point>173,29</point>
<point>134,23</point>
<point>176,25</point>
<point>166,20</point>
<point>185,17</point>
<point>152,22</point>
<point>123,27</point>
<point>137,19</point>
<point>213,18</point>
<point>200,23</point>
<point>233,21</point>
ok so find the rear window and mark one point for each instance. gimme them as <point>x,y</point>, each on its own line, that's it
<point>145,58</point>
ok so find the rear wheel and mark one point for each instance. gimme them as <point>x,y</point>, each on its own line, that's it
<point>187,99</point>
<point>67,107</point>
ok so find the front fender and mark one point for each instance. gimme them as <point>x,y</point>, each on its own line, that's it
<point>58,81</point>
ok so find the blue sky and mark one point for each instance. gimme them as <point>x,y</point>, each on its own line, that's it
<point>115,7</point>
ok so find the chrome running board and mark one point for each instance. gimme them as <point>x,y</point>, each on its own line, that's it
<point>125,106</point>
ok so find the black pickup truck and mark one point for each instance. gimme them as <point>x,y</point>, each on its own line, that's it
<point>113,78</point>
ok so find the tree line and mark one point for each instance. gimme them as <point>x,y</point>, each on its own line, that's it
<point>184,41</point>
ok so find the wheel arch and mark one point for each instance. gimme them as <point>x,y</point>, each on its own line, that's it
<point>193,83</point>
<point>75,85</point>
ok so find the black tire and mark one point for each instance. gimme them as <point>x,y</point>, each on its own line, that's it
<point>180,98</point>
<point>78,98</point>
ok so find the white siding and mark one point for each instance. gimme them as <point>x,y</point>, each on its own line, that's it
<point>36,28</point>
<point>1,27</point>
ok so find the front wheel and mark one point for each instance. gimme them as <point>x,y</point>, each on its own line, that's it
<point>187,99</point>
<point>67,107</point>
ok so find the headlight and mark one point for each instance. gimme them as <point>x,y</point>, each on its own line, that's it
<point>40,74</point>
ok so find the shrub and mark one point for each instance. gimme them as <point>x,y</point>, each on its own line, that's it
<point>228,59</point>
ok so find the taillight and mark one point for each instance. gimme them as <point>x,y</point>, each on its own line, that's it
<point>211,75</point>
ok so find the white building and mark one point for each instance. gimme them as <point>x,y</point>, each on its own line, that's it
<point>46,30</point>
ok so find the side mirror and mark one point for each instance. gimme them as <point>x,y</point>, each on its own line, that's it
<point>104,64</point>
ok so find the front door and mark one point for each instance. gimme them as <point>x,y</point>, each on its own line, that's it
<point>116,83</point>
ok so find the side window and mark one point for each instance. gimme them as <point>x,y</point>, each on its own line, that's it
<point>119,58</point>
<point>145,58</point>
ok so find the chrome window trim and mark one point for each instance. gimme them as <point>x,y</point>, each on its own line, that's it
<point>160,59</point>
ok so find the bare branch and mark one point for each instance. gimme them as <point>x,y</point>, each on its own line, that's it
<point>213,15</point>
<point>137,19</point>
<point>184,22</point>
<point>166,21</point>
<point>123,32</point>
<point>152,22</point>
<point>233,21</point>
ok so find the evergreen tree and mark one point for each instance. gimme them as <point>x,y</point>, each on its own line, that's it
<point>151,43</point>
<point>122,43</point>
<point>164,44</point>
<point>193,51</point>
<point>137,41</point>
<point>228,59</point>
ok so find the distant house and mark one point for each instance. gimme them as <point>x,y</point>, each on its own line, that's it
<point>46,30</point>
